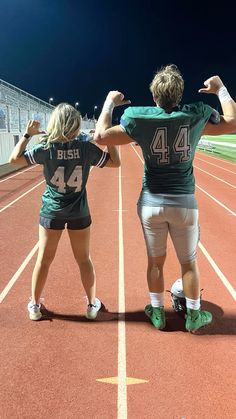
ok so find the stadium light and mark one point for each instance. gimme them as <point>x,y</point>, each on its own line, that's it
<point>50,100</point>
<point>94,113</point>
<point>76,105</point>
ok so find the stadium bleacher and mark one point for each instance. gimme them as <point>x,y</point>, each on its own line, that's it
<point>16,108</point>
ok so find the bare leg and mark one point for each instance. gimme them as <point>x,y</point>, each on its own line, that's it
<point>191,280</point>
<point>196,318</point>
<point>155,278</point>
<point>48,242</point>
<point>80,242</point>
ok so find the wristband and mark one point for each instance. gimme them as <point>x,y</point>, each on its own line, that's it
<point>223,95</point>
<point>108,106</point>
<point>27,136</point>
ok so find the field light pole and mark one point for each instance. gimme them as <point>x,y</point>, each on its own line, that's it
<point>50,100</point>
<point>76,105</point>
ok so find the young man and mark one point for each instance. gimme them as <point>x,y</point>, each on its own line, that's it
<point>168,135</point>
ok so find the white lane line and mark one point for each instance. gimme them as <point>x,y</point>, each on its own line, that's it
<point>17,199</point>
<point>21,196</point>
<point>218,159</point>
<point>216,200</point>
<point>23,265</point>
<point>140,158</point>
<point>219,273</point>
<point>216,165</point>
<point>209,258</point>
<point>210,174</point>
<point>18,173</point>
<point>27,259</point>
<point>122,386</point>
<point>210,196</point>
<point>18,273</point>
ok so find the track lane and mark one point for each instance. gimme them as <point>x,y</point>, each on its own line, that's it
<point>213,236</point>
<point>215,170</point>
<point>75,351</point>
<point>217,165</point>
<point>175,363</point>
<point>14,187</point>
<point>19,228</point>
<point>170,362</point>
<point>210,158</point>
<point>220,191</point>
<point>218,234</point>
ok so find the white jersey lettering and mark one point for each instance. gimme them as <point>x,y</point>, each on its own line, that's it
<point>59,154</point>
<point>68,154</point>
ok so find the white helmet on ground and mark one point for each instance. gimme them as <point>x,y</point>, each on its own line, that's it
<point>177,288</point>
<point>177,296</point>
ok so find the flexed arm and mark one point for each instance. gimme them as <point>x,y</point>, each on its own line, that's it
<point>105,135</point>
<point>228,120</point>
<point>16,157</point>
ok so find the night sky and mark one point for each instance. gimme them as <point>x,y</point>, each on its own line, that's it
<point>77,50</point>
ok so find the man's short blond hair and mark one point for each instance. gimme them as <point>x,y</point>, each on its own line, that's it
<point>167,87</point>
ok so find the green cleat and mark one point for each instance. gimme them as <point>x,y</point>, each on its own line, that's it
<point>195,319</point>
<point>156,315</point>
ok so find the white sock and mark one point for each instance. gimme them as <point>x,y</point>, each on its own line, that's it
<point>193,304</point>
<point>157,299</point>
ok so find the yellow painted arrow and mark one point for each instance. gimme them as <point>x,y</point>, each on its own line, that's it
<point>129,380</point>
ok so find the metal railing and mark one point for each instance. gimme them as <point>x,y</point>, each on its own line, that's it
<point>18,106</point>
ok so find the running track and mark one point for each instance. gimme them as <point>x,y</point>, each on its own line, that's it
<point>119,366</point>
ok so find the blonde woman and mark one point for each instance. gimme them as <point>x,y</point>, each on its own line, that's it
<point>66,163</point>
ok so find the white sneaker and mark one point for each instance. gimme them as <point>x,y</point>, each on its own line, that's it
<point>93,309</point>
<point>34,311</point>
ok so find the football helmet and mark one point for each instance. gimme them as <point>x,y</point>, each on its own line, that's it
<point>177,296</point>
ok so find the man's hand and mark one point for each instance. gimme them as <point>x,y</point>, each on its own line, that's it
<point>33,128</point>
<point>213,84</point>
<point>117,98</point>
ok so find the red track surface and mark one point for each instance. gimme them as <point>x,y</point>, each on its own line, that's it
<point>50,368</point>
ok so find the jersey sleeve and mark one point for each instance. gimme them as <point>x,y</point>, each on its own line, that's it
<point>37,154</point>
<point>215,117</point>
<point>207,111</point>
<point>127,122</point>
<point>98,157</point>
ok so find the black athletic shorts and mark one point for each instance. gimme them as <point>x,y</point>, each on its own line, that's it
<point>58,224</point>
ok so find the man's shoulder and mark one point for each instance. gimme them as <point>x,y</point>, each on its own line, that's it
<point>141,112</point>
<point>195,107</point>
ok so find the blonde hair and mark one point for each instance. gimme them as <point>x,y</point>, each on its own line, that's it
<point>167,87</point>
<point>64,121</point>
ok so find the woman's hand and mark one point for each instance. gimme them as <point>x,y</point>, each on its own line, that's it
<point>32,128</point>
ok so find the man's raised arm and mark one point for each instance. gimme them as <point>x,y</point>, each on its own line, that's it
<point>227,122</point>
<point>104,134</point>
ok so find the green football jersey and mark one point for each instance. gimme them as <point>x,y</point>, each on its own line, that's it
<point>66,170</point>
<point>168,142</point>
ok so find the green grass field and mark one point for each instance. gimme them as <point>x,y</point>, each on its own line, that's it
<point>227,138</point>
<point>223,151</point>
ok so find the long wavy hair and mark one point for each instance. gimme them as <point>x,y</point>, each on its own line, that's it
<point>63,125</point>
<point>167,87</point>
